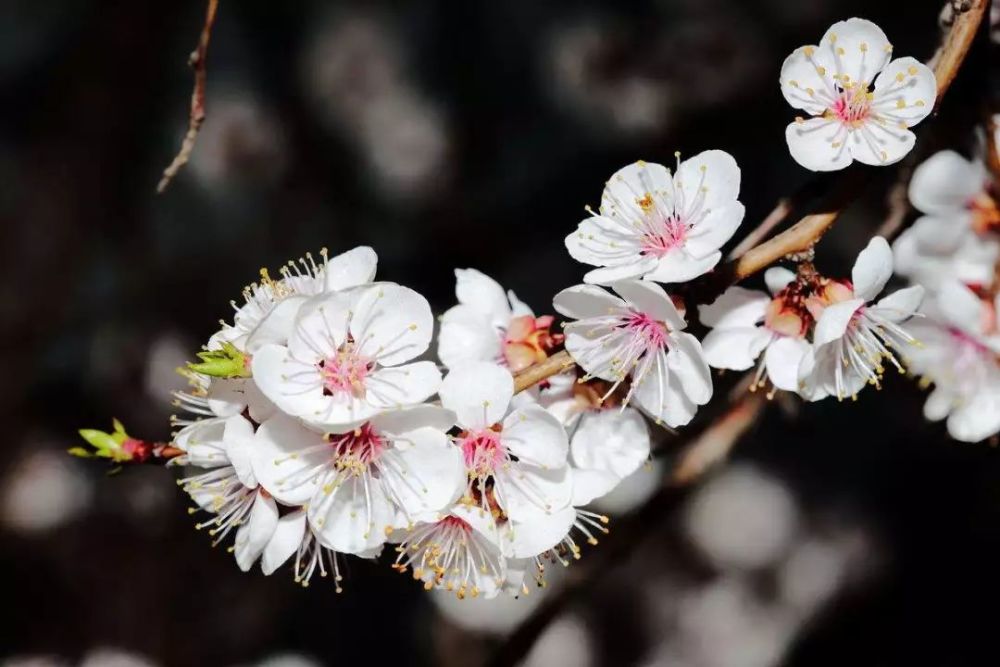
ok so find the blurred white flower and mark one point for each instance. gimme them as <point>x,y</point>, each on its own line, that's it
<point>658,226</point>
<point>114,657</point>
<point>632,491</point>
<point>289,660</point>
<point>862,104</point>
<point>742,519</point>
<point>43,490</point>
<point>565,642</point>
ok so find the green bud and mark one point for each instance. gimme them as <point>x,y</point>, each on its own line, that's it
<point>227,362</point>
<point>105,445</point>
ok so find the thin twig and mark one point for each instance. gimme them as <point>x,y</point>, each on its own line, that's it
<point>759,233</point>
<point>197,62</point>
<point>532,375</point>
<point>898,204</point>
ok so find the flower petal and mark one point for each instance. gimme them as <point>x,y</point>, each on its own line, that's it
<point>778,278</point>
<point>410,419</point>
<point>423,473</point>
<point>802,84</point>
<point>660,395</point>
<point>531,538</point>
<point>834,321</point>
<point>528,492</point>
<point>629,185</point>
<point>782,359</point>
<point>400,386</point>
<point>478,393</point>
<point>604,241</point>
<point>687,362</point>
<point>289,460</point>
<point>484,295</point>
<point>734,349</point>
<point>615,441</point>
<point>715,229</point>
<point>609,274</point>
<point>277,327</point>
<point>349,269</point>
<point>392,324</point>
<point>320,327</point>
<point>944,183</point>
<point>905,92</point>
<point>534,436</point>
<point>880,145</point>
<point>855,48</point>
<point>284,542</point>
<point>467,335</point>
<point>585,301</point>
<point>901,304</point>
<point>709,180</point>
<point>961,307</point>
<point>651,299</point>
<point>253,536</point>
<point>736,307</point>
<point>677,266</point>
<point>872,269</point>
<point>352,516</point>
<point>296,388</point>
<point>818,144</point>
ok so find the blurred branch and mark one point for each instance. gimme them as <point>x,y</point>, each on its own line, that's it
<point>802,236</point>
<point>197,62</point>
<point>760,232</point>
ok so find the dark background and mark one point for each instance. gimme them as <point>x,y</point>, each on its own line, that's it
<point>444,134</point>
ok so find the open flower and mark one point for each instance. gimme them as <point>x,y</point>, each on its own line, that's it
<point>956,239</point>
<point>360,485</point>
<point>515,460</point>
<point>862,104</point>
<point>637,337</point>
<point>746,323</point>
<point>659,226</point>
<point>853,338</point>
<point>489,325</point>
<point>346,358</point>
<point>958,355</point>
<point>229,490</point>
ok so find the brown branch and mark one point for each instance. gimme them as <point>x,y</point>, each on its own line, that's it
<point>197,62</point>
<point>759,233</point>
<point>532,375</point>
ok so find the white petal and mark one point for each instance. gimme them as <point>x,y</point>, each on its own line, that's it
<point>284,454</point>
<point>400,386</point>
<point>253,536</point>
<point>778,278</point>
<point>590,484</point>
<point>518,308</point>
<point>856,48</point>
<point>226,396</point>
<point>938,405</point>
<point>533,537</point>
<point>294,387</point>
<point>944,183</point>
<point>880,145</point>
<point>660,395</point>
<point>410,419</point>
<point>614,441</point>
<point>527,492</point>
<point>629,185</point>
<point>834,321</point>
<point>736,307</point>
<point>872,269</point>
<point>483,294</point>
<point>585,301</point>
<point>535,436</point>
<point>651,299</point>
<point>603,241</point>
<point>713,176</point>
<point>782,359</point>
<point>478,393</point>
<point>238,439</point>
<point>351,517</point>
<point>349,269</point>
<point>392,324</point>
<point>901,304</point>
<point>687,362</point>
<point>320,327</point>
<point>677,267</point>
<point>277,327</point>
<point>734,349</point>
<point>977,419</point>
<point>467,335</point>
<point>203,443</point>
<point>802,84</point>
<point>818,144</point>
<point>425,475</point>
<point>609,274</point>
<point>715,229</point>
<point>905,92</point>
<point>961,307</point>
<point>285,541</point>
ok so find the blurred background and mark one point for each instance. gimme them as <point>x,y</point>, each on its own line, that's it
<point>444,134</point>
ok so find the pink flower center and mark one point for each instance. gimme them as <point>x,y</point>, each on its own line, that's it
<point>647,329</point>
<point>345,372</point>
<point>356,450</point>
<point>663,235</point>
<point>853,106</point>
<point>483,452</point>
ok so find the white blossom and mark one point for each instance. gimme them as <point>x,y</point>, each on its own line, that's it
<point>360,485</point>
<point>747,323</point>
<point>955,239</point>
<point>346,358</point>
<point>637,336</point>
<point>661,226</point>
<point>853,337</point>
<point>862,104</point>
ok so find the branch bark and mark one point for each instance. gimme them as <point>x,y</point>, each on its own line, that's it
<point>197,116</point>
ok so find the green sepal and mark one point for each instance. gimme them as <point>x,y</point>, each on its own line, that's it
<point>227,362</point>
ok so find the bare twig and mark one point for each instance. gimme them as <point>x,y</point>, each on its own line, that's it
<point>898,204</point>
<point>197,62</point>
<point>532,375</point>
<point>759,233</point>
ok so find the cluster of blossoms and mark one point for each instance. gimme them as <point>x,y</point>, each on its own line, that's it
<point>953,249</point>
<point>317,428</point>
